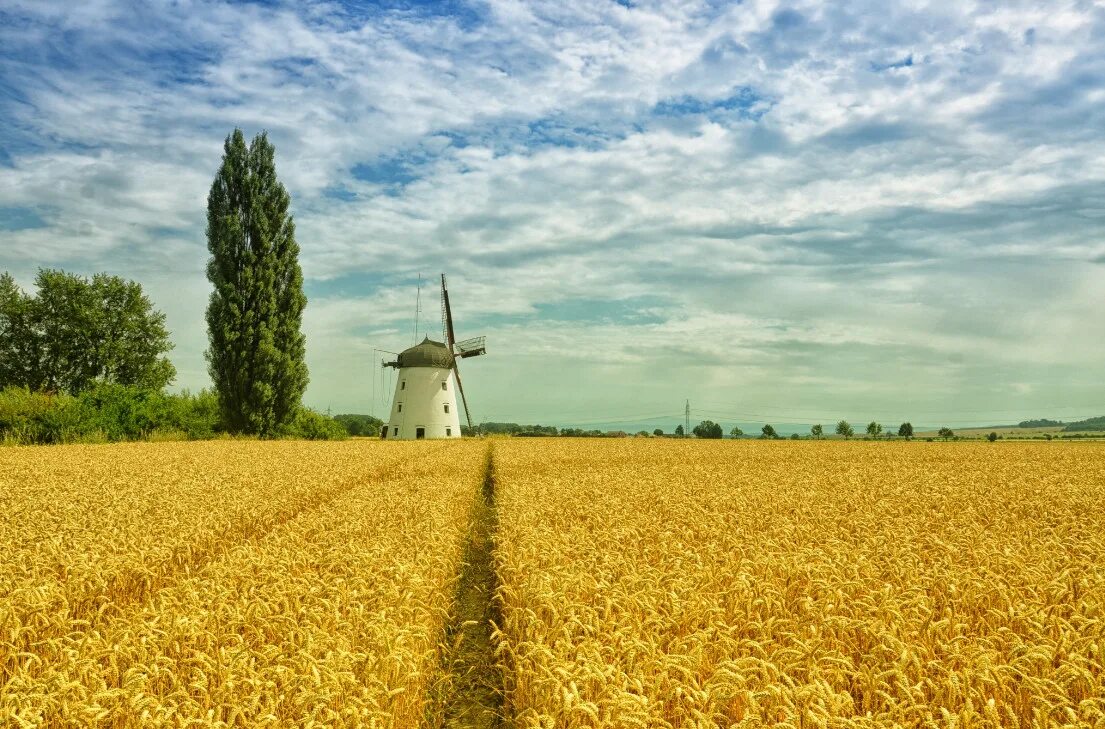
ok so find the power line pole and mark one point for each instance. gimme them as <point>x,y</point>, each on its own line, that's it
<point>687,418</point>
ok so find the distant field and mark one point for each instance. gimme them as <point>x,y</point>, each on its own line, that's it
<point>1010,431</point>
<point>1002,430</point>
<point>631,583</point>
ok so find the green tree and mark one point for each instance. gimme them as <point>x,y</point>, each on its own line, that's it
<point>679,431</point>
<point>768,432</point>
<point>946,433</point>
<point>795,436</point>
<point>817,431</point>
<point>256,353</point>
<point>75,333</point>
<point>658,432</point>
<point>992,437</point>
<point>18,347</point>
<point>874,429</point>
<point>905,430</point>
<point>736,432</point>
<point>844,428</point>
<point>707,429</point>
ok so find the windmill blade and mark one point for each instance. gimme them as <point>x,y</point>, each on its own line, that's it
<point>450,339</point>
<point>463,399</point>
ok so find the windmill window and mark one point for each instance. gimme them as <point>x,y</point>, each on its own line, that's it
<point>448,432</point>
<point>395,432</point>
<point>400,407</point>
<point>443,386</point>
<point>402,384</point>
<point>446,407</point>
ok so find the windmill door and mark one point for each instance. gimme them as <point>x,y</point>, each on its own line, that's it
<point>419,433</point>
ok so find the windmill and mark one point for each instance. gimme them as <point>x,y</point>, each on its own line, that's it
<point>424,405</point>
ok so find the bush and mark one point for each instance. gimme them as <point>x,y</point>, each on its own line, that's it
<point>310,425</point>
<point>365,425</point>
<point>38,418</point>
<point>118,411</point>
<point>105,412</point>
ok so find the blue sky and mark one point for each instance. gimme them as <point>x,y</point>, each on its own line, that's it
<point>782,211</point>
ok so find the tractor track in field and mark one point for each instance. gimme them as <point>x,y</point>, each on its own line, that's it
<point>471,692</point>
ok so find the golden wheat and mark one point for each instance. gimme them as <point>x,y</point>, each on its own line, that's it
<point>327,608</point>
<point>643,583</point>
<point>694,584</point>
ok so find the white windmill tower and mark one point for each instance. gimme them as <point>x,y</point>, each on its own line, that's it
<point>425,402</point>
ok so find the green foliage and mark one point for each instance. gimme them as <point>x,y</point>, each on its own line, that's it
<point>736,432</point>
<point>992,437</point>
<point>1043,423</point>
<point>311,425</point>
<point>578,433</point>
<point>795,436</point>
<point>844,428</point>
<point>817,431</point>
<point>946,433</point>
<point>874,429</point>
<point>707,429</point>
<point>658,432</point>
<point>1097,423</point>
<point>768,432</point>
<point>77,332</point>
<point>905,430</point>
<point>679,431</point>
<point>363,425</point>
<point>34,418</point>
<point>105,412</point>
<point>256,353</point>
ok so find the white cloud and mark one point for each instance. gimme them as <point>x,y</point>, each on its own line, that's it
<point>851,198</point>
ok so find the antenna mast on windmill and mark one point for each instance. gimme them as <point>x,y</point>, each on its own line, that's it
<point>424,405</point>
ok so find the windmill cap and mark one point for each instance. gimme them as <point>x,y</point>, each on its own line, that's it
<point>426,354</point>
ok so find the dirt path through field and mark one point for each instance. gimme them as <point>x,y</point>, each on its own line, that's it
<point>472,694</point>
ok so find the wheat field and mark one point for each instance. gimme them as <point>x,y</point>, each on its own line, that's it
<point>635,583</point>
<point>228,584</point>
<point>703,584</point>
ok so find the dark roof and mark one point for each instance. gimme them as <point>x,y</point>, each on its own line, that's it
<point>427,354</point>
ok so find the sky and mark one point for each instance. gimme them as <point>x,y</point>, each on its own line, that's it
<point>779,211</point>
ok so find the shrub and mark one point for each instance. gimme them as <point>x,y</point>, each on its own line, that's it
<point>365,425</point>
<point>310,425</point>
<point>38,418</point>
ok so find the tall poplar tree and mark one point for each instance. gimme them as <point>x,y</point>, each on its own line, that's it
<point>256,354</point>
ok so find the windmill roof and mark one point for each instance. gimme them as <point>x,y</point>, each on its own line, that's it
<point>428,353</point>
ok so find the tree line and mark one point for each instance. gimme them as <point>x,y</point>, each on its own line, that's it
<point>706,429</point>
<point>874,430</point>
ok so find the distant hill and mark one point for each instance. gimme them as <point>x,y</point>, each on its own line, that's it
<point>1097,423</point>
<point>1041,423</point>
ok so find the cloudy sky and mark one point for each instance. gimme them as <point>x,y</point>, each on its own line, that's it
<point>783,211</point>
